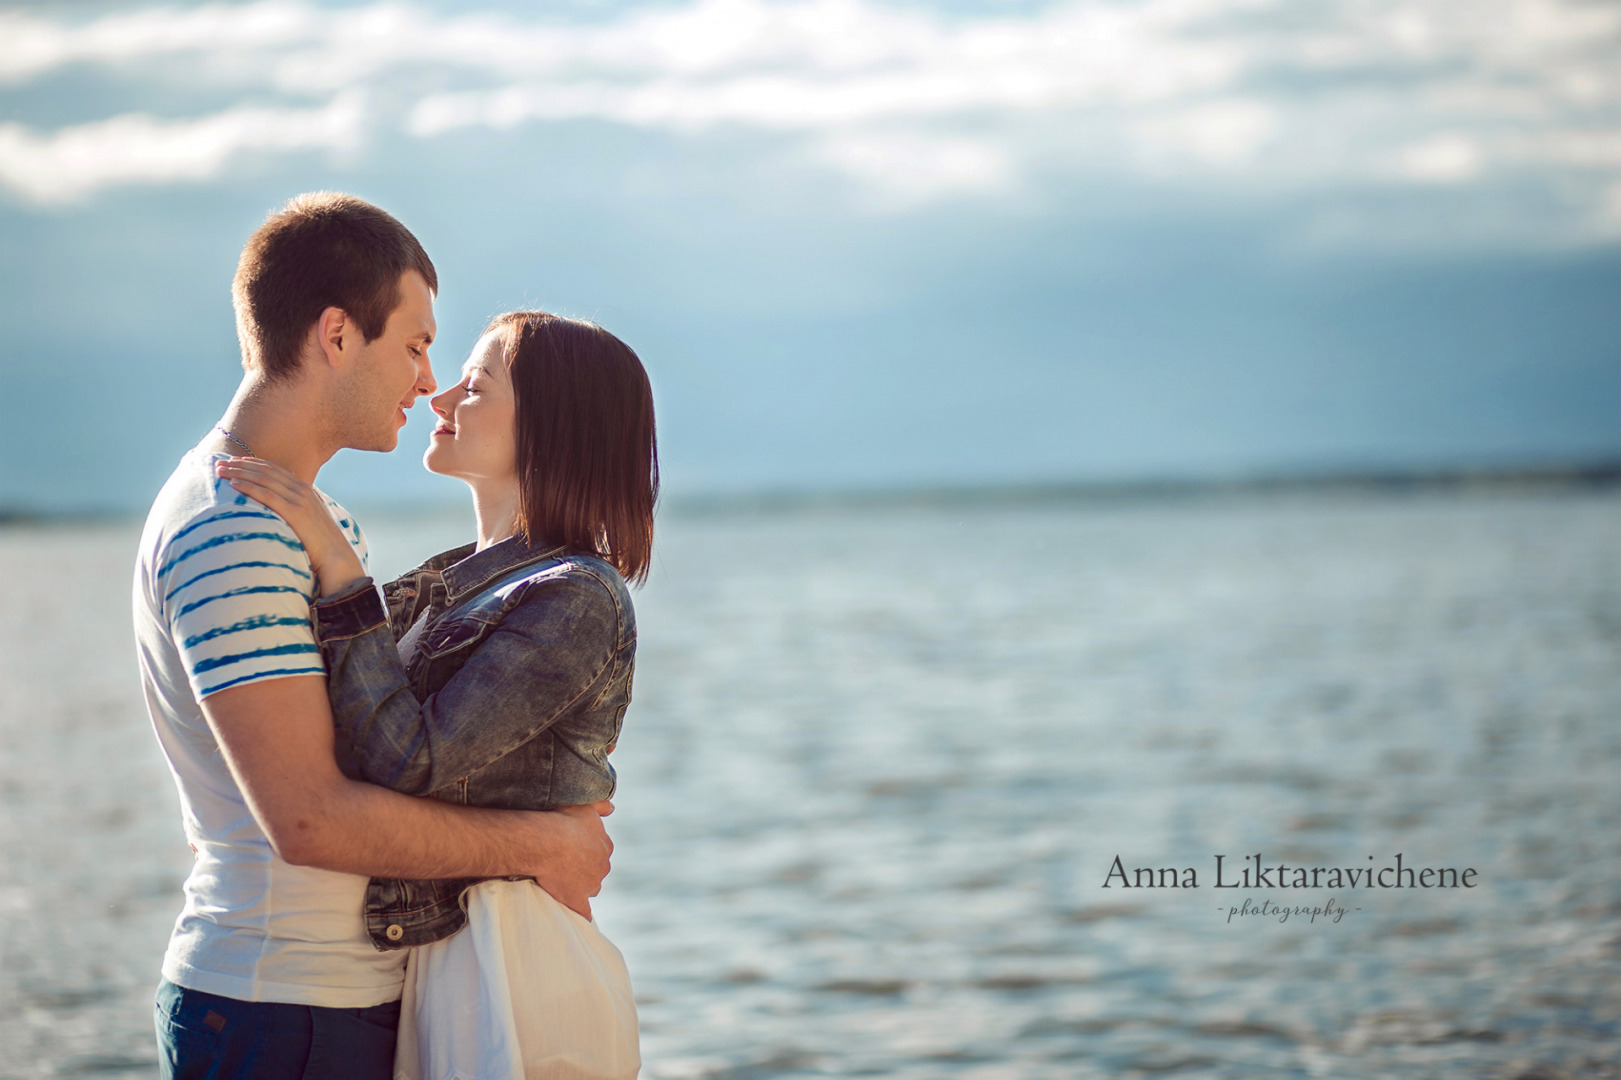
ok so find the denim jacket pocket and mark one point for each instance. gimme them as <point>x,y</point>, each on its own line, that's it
<point>456,634</point>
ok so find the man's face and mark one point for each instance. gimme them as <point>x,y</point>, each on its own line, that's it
<point>389,373</point>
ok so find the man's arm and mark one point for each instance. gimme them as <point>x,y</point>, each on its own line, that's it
<point>277,737</point>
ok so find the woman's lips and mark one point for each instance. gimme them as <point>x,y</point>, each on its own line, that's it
<point>444,431</point>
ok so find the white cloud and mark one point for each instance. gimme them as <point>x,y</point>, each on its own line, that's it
<point>37,45</point>
<point>1219,133</point>
<point>903,169</point>
<point>1444,159</point>
<point>70,162</point>
<point>1345,92</point>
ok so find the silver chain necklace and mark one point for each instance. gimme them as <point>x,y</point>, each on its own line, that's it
<point>221,429</point>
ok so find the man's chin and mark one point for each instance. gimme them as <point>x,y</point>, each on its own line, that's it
<point>380,443</point>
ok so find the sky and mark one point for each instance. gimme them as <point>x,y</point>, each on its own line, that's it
<point>858,244</point>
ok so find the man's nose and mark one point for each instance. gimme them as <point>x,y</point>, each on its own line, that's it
<point>425,382</point>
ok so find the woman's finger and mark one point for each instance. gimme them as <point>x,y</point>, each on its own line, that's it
<point>260,476</point>
<point>289,488</point>
<point>254,467</point>
<point>277,500</point>
<point>260,482</point>
<point>257,468</point>
<point>260,467</point>
<point>269,496</point>
<point>245,459</point>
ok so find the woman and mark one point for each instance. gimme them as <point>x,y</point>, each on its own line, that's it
<point>499,676</point>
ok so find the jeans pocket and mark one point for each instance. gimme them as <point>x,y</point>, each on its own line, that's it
<point>188,1023</point>
<point>386,1015</point>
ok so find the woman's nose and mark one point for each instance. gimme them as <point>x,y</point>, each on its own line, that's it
<point>441,403</point>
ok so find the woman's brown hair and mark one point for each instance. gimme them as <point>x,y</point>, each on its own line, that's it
<point>588,465</point>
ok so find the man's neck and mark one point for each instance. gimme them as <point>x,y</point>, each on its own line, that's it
<point>280,422</point>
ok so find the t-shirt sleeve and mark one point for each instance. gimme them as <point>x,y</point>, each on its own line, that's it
<point>351,529</point>
<point>236,588</point>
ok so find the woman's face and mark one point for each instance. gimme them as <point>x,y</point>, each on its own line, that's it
<point>477,435</point>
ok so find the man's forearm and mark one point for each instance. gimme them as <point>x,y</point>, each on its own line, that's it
<point>277,737</point>
<point>360,828</point>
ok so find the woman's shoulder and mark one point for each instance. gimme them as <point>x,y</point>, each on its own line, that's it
<point>584,565</point>
<point>566,603</point>
<point>587,580</point>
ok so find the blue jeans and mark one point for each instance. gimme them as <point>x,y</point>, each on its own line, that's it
<point>208,1037</point>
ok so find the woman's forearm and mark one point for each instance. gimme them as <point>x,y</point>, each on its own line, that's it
<point>548,651</point>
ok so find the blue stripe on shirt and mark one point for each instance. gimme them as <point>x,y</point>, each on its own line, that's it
<point>195,604</point>
<point>221,517</point>
<point>228,538</point>
<point>205,691</point>
<point>236,566</point>
<point>258,622</point>
<point>237,658</point>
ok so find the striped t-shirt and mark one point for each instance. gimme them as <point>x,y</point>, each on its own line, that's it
<point>222,599</point>
<point>234,585</point>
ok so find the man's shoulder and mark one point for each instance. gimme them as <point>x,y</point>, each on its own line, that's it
<point>194,500</point>
<point>201,528</point>
<point>225,582</point>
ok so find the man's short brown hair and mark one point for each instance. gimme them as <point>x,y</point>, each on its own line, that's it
<point>321,250</point>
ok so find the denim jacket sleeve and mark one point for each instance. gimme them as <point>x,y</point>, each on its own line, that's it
<point>547,651</point>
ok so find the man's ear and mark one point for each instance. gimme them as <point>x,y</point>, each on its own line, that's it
<point>335,336</point>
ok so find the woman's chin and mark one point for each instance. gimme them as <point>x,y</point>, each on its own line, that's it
<point>434,461</point>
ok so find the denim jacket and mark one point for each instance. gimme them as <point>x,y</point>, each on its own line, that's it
<point>507,691</point>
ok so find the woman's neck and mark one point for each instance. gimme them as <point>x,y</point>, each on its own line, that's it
<point>495,507</point>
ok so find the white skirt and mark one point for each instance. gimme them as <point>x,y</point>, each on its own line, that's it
<point>528,990</point>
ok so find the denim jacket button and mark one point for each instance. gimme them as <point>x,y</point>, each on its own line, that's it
<point>394,932</point>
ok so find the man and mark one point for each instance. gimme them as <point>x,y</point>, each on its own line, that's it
<point>270,971</point>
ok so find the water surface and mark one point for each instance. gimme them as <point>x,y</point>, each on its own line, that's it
<point>879,764</point>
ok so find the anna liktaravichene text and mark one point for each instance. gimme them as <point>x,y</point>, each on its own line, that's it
<point>1255,873</point>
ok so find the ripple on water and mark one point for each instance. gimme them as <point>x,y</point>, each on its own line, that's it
<point>879,764</point>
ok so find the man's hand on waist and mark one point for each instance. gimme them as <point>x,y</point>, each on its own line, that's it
<point>575,853</point>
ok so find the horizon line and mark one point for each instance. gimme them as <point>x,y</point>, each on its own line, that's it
<point>1591,475</point>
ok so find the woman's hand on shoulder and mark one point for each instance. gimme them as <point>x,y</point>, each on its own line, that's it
<point>332,558</point>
